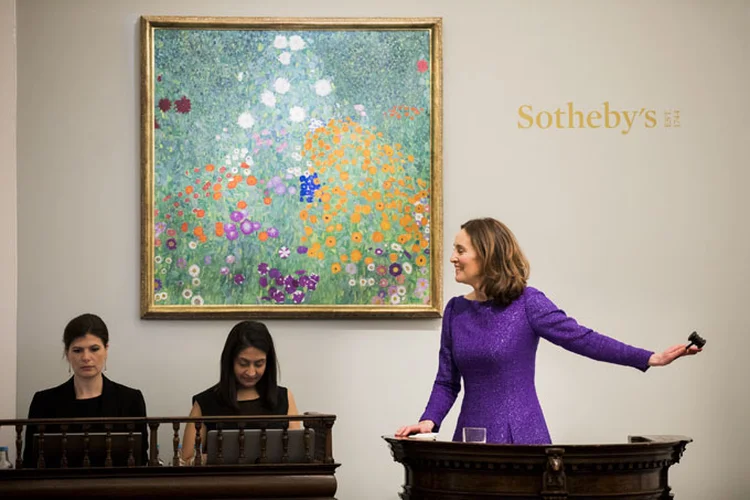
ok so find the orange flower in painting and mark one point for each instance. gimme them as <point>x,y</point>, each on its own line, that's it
<point>200,213</point>
<point>357,237</point>
<point>356,255</point>
<point>403,238</point>
<point>335,268</point>
<point>210,168</point>
<point>217,196</point>
<point>303,214</point>
<point>188,189</point>
<point>330,241</point>
<point>377,237</point>
<point>393,257</point>
<point>379,206</point>
<point>217,187</point>
<point>385,225</point>
<point>198,231</point>
<point>241,205</point>
<point>421,260</point>
<point>266,200</point>
<point>219,227</point>
<point>184,227</point>
<point>263,236</point>
<point>356,217</point>
<point>251,180</point>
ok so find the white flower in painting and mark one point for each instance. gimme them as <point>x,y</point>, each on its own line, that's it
<point>296,114</point>
<point>296,42</point>
<point>315,124</point>
<point>268,98</point>
<point>395,299</point>
<point>285,58</point>
<point>407,268</point>
<point>187,293</point>
<point>246,120</point>
<point>370,266</point>
<point>281,85</point>
<point>323,87</point>
<point>243,151</point>
<point>370,281</point>
<point>196,281</point>
<point>240,76</point>
<point>218,137</point>
<point>164,295</point>
<point>163,271</point>
<point>157,259</point>
<point>193,245</point>
<point>157,297</point>
<point>280,42</point>
<point>401,290</point>
<point>362,281</point>
<point>235,170</point>
<point>396,247</point>
<point>296,157</point>
<point>168,260</point>
<point>197,300</point>
<point>352,282</point>
<point>418,217</point>
<point>249,160</point>
<point>359,107</point>
<point>194,270</point>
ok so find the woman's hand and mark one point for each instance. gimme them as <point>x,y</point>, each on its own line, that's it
<point>421,428</point>
<point>674,352</point>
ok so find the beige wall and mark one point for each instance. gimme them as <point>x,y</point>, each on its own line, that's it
<point>8,241</point>
<point>641,235</point>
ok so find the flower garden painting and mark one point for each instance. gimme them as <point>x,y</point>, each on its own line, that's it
<point>291,171</point>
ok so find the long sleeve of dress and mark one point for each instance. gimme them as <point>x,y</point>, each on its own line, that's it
<point>448,380</point>
<point>551,323</point>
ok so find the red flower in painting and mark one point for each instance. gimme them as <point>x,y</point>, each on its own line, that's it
<point>422,66</point>
<point>165,104</point>
<point>182,105</point>
<point>158,78</point>
<point>156,124</point>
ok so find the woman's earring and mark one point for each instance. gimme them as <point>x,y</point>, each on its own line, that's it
<point>68,368</point>
<point>105,366</point>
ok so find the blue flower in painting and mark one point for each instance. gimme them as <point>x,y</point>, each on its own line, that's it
<point>207,259</point>
<point>308,186</point>
<point>301,250</point>
<point>157,285</point>
<point>263,268</point>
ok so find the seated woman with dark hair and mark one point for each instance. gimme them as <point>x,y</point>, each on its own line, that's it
<point>88,393</point>
<point>247,385</point>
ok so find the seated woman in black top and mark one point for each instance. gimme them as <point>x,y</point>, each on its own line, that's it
<point>247,385</point>
<point>88,393</point>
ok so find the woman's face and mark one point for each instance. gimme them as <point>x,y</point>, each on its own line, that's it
<point>249,367</point>
<point>466,261</point>
<point>87,356</point>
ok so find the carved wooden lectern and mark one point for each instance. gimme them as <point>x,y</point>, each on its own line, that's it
<point>439,470</point>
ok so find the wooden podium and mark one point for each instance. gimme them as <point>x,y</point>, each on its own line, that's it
<point>440,470</point>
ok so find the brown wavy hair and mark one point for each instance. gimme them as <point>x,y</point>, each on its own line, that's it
<point>505,268</point>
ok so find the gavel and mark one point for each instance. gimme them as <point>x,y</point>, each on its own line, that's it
<point>696,340</point>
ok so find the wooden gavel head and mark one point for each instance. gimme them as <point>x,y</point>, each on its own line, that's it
<point>696,340</point>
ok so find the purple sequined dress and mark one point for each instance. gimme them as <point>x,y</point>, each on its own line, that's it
<point>494,350</point>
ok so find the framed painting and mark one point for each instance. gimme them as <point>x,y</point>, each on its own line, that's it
<point>291,168</point>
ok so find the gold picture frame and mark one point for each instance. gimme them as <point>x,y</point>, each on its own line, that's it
<point>291,167</point>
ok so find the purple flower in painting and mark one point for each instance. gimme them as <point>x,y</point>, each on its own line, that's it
<point>183,105</point>
<point>315,278</point>
<point>246,227</point>
<point>237,216</point>
<point>262,268</point>
<point>304,280</point>
<point>383,283</point>
<point>228,226</point>
<point>263,281</point>
<point>381,294</point>
<point>274,273</point>
<point>300,272</point>
<point>232,235</point>
<point>273,232</point>
<point>225,270</point>
<point>280,189</point>
<point>278,297</point>
<point>298,297</point>
<point>290,280</point>
<point>284,252</point>
<point>181,262</point>
<point>165,104</point>
<point>256,225</point>
<point>290,289</point>
<point>157,285</point>
<point>160,228</point>
<point>207,259</point>
<point>427,251</point>
<point>171,243</point>
<point>407,254</point>
<point>395,269</point>
<point>280,281</point>
<point>301,250</point>
<point>378,251</point>
<point>239,279</point>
